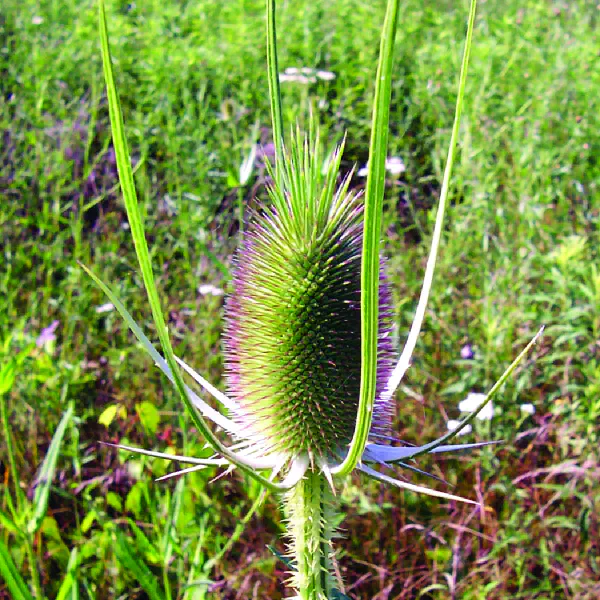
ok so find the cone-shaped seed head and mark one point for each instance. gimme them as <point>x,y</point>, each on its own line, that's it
<point>292,347</point>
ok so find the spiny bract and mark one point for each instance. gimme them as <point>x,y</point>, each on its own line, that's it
<point>292,339</point>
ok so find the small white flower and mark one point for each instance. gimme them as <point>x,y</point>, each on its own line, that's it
<point>283,77</point>
<point>453,424</point>
<point>473,402</point>
<point>528,408</point>
<point>209,289</point>
<point>104,308</point>
<point>395,165</point>
<point>37,20</point>
<point>305,75</point>
<point>325,75</point>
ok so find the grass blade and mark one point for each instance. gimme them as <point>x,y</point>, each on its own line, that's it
<point>16,586</point>
<point>69,588</point>
<point>47,472</point>
<point>7,377</point>
<point>138,569</point>
<point>170,532</point>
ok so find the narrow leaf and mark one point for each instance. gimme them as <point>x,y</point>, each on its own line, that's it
<point>47,472</point>
<point>132,563</point>
<point>411,487</point>
<point>411,342</point>
<point>139,239</point>
<point>274,89</point>
<point>14,582</point>
<point>170,532</point>
<point>450,435</point>
<point>371,239</point>
<point>389,454</point>
<point>69,589</point>
<point>171,457</point>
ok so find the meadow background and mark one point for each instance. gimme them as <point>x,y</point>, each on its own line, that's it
<point>521,249</point>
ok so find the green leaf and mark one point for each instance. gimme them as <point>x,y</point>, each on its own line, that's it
<point>135,567</point>
<point>7,376</point>
<point>286,561</point>
<point>108,415</point>
<point>47,472</point>
<point>144,545</point>
<point>133,503</point>
<point>69,588</point>
<point>373,212</point>
<point>415,329</point>
<point>88,521</point>
<point>114,501</point>
<point>149,416</point>
<point>170,531</point>
<point>8,524</point>
<point>439,554</point>
<point>16,586</point>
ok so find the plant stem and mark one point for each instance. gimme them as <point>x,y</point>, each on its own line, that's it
<point>312,515</point>
<point>35,575</point>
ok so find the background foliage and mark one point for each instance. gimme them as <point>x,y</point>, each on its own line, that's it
<point>521,249</point>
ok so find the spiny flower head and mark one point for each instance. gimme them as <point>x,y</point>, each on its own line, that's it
<point>292,340</point>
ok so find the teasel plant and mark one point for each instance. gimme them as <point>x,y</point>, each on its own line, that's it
<point>310,364</point>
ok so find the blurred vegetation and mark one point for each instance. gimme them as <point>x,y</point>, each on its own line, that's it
<point>78,519</point>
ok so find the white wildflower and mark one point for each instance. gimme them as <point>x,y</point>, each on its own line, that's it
<point>305,75</point>
<point>104,308</point>
<point>528,408</point>
<point>472,402</point>
<point>325,75</point>
<point>394,165</point>
<point>453,424</point>
<point>208,289</point>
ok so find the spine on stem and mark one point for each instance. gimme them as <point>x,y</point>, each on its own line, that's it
<point>312,518</point>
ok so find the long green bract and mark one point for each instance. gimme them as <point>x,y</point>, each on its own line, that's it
<point>371,239</point>
<point>274,89</point>
<point>141,248</point>
<point>373,211</point>
<point>411,341</point>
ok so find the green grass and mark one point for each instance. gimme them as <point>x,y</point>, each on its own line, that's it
<point>520,251</point>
